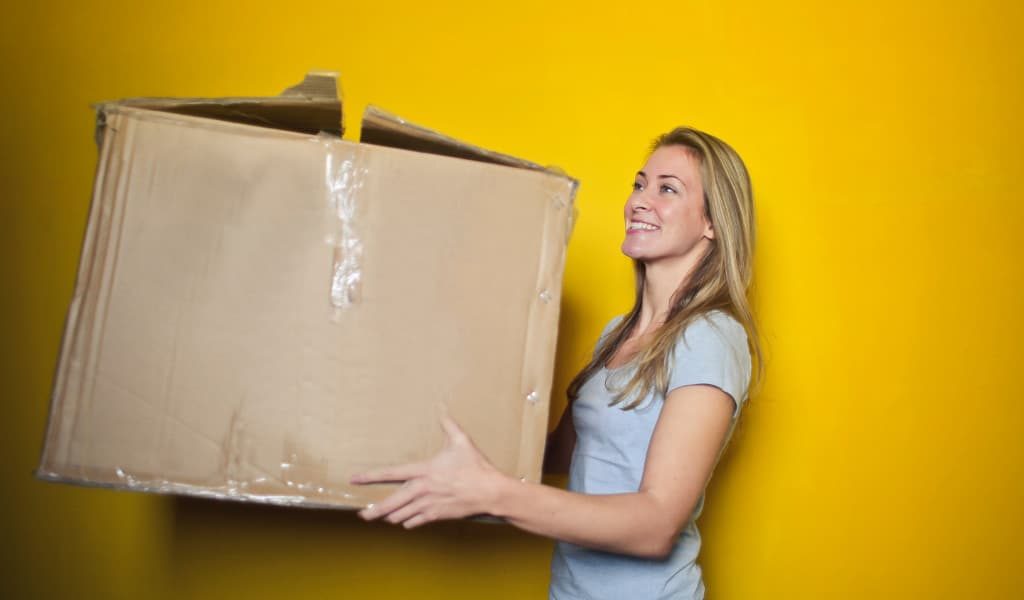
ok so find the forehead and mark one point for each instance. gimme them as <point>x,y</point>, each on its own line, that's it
<point>678,161</point>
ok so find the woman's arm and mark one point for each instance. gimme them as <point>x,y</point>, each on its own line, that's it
<point>459,481</point>
<point>560,444</point>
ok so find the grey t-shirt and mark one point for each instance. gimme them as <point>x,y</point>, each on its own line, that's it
<point>611,448</point>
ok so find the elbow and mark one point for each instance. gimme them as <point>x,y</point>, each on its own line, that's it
<point>661,551</point>
<point>661,536</point>
<point>657,545</point>
<point>658,539</point>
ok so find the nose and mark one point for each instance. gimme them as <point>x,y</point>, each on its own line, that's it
<point>638,203</point>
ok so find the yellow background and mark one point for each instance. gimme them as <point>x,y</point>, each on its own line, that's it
<point>883,457</point>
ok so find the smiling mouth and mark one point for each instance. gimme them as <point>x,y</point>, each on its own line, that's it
<point>640,227</point>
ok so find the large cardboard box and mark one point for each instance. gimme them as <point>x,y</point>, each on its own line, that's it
<point>263,309</point>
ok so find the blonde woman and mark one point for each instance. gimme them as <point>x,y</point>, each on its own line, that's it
<point>649,415</point>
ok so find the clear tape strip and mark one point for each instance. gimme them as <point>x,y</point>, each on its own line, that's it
<point>232,490</point>
<point>345,177</point>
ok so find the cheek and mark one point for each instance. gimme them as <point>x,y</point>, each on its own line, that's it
<point>685,221</point>
<point>684,231</point>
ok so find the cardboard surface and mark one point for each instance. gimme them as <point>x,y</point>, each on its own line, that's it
<point>202,353</point>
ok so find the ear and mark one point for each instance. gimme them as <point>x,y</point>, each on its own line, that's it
<point>709,229</point>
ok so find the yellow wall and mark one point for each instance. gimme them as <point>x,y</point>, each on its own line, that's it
<point>882,458</point>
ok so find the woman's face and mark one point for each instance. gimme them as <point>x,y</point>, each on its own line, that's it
<point>665,213</point>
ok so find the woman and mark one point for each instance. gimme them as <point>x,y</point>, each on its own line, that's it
<point>649,416</point>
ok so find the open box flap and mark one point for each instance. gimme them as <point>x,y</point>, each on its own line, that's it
<point>382,128</point>
<point>311,106</point>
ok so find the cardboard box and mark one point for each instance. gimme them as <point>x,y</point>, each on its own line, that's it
<point>263,309</point>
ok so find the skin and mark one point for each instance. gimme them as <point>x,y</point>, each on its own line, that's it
<point>459,481</point>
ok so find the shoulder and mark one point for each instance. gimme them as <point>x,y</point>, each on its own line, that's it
<point>609,326</point>
<point>604,334</point>
<point>713,350</point>
<point>715,329</point>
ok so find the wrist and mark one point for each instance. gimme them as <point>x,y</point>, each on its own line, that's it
<point>497,493</point>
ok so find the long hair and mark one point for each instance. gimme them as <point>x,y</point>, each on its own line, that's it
<point>719,281</point>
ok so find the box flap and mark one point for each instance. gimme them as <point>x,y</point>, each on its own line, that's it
<point>311,106</point>
<point>382,128</point>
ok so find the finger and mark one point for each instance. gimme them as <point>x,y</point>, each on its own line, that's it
<point>452,429</point>
<point>416,507</point>
<point>396,473</point>
<point>398,499</point>
<point>416,521</point>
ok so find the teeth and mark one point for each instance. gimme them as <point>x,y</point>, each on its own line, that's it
<point>634,225</point>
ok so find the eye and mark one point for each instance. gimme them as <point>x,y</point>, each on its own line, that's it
<point>637,186</point>
<point>668,189</point>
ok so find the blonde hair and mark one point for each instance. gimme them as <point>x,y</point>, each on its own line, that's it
<point>720,280</point>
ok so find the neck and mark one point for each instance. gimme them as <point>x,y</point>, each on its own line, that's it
<point>662,279</point>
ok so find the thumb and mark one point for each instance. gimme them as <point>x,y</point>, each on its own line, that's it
<point>451,429</point>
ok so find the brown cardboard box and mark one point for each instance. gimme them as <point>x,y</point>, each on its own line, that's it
<point>262,311</point>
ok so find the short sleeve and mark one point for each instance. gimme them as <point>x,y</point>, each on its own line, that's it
<point>713,351</point>
<point>604,333</point>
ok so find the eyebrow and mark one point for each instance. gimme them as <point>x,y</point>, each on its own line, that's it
<point>663,177</point>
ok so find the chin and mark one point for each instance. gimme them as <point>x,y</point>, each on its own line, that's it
<point>633,256</point>
<point>633,252</point>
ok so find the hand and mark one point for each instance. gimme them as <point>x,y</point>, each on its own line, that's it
<point>457,482</point>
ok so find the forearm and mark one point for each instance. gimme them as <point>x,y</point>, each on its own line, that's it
<point>630,523</point>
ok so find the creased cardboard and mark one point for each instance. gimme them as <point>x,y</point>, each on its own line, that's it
<point>202,354</point>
